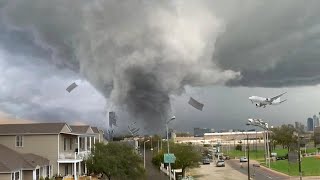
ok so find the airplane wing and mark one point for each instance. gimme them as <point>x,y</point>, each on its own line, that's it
<point>276,97</point>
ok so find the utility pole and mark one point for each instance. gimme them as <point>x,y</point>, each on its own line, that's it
<point>299,154</point>
<point>248,156</point>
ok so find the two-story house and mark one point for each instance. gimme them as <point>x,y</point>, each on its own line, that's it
<point>16,166</point>
<point>64,146</point>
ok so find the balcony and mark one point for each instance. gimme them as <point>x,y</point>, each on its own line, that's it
<point>82,155</point>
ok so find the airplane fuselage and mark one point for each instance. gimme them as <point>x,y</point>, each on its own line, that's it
<point>262,101</point>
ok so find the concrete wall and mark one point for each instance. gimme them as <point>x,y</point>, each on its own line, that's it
<point>42,145</point>
<point>5,176</point>
<point>27,175</point>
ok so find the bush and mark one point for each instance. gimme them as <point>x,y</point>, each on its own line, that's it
<point>239,147</point>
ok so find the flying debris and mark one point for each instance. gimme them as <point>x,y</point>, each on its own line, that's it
<point>71,87</point>
<point>196,104</point>
<point>110,134</point>
<point>133,130</point>
<point>112,119</point>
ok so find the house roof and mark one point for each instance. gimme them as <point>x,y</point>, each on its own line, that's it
<point>83,129</point>
<point>11,160</point>
<point>33,128</point>
<point>95,129</point>
<point>35,160</point>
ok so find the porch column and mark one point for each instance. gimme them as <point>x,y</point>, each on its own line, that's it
<point>94,141</point>
<point>75,171</point>
<point>78,144</point>
<point>90,143</point>
<point>85,168</point>
<point>58,168</point>
<point>86,143</point>
<point>80,169</point>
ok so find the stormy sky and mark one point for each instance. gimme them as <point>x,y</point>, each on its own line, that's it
<point>144,59</point>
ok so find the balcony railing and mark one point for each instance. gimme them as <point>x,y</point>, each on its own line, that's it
<point>75,155</point>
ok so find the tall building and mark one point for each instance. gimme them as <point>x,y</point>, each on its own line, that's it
<point>299,126</point>
<point>315,121</point>
<point>199,132</point>
<point>310,125</point>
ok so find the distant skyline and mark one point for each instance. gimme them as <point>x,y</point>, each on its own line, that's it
<point>147,61</point>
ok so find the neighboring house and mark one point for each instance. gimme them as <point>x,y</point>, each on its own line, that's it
<point>99,134</point>
<point>64,146</point>
<point>16,166</point>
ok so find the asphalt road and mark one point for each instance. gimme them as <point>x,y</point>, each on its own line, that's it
<point>153,173</point>
<point>259,173</point>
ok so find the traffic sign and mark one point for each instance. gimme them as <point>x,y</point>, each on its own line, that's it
<point>169,158</point>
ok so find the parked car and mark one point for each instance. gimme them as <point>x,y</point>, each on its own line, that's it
<point>226,157</point>
<point>282,157</point>
<point>243,159</point>
<point>205,161</point>
<point>220,163</point>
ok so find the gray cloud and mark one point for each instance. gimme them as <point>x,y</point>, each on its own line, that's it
<point>136,53</point>
<point>140,53</point>
<point>272,44</point>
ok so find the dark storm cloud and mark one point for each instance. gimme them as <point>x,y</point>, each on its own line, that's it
<point>272,44</point>
<point>137,53</point>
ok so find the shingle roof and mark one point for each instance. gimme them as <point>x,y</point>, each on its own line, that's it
<point>95,129</point>
<point>33,128</point>
<point>11,160</point>
<point>35,160</point>
<point>80,129</point>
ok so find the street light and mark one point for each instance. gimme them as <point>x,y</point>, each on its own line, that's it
<point>263,125</point>
<point>172,118</point>
<point>299,153</point>
<point>144,153</point>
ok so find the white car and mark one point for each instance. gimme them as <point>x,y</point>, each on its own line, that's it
<point>243,159</point>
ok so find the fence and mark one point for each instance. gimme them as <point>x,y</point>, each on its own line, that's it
<point>166,171</point>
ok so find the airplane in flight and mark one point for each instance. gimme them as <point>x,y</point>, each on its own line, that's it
<point>263,102</point>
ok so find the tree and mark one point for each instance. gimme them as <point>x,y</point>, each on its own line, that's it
<point>115,160</point>
<point>283,135</point>
<point>187,156</point>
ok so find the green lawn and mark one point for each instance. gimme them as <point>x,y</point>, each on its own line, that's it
<point>310,167</point>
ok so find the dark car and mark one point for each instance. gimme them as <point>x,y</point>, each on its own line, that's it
<point>205,161</point>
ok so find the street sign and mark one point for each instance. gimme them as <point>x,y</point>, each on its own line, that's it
<point>169,158</point>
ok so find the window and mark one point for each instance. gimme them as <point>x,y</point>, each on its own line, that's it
<point>64,144</point>
<point>48,171</point>
<point>71,140</point>
<point>15,175</point>
<point>19,140</point>
<point>37,174</point>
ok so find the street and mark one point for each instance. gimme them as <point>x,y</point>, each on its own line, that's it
<point>209,172</point>
<point>153,173</point>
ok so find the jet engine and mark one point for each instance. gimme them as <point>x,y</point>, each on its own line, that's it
<point>258,105</point>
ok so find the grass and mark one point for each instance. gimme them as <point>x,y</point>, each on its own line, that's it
<point>310,167</point>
